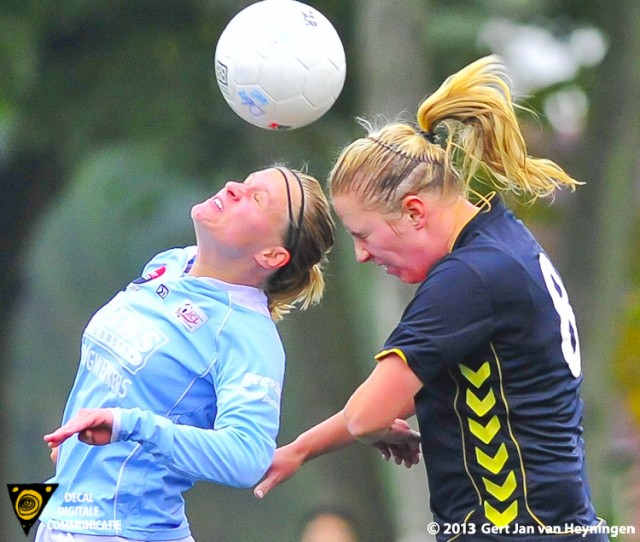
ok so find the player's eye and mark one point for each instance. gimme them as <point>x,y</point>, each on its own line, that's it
<point>256,197</point>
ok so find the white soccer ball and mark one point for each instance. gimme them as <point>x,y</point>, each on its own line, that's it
<point>280,64</point>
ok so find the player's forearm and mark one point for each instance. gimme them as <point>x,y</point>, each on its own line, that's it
<point>327,436</point>
<point>235,455</point>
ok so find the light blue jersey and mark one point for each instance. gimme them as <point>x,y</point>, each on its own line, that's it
<point>193,368</point>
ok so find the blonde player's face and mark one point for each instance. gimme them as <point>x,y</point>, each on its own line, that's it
<point>391,244</point>
<point>244,217</point>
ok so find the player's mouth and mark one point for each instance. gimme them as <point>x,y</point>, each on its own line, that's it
<point>216,202</point>
<point>389,269</point>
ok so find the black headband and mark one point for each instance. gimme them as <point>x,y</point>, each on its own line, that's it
<point>293,230</point>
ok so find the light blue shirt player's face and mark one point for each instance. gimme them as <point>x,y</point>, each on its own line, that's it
<point>244,224</point>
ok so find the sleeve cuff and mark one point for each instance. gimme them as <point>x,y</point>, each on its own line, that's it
<point>396,351</point>
<point>117,423</point>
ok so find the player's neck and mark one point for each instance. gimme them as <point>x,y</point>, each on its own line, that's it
<point>462,211</point>
<point>231,272</point>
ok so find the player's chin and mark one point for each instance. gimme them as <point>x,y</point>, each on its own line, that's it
<point>402,275</point>
<point>409,276</point>
<point>197,212</point>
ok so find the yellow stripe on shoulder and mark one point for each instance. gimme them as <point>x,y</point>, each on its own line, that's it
<point>395,351</point>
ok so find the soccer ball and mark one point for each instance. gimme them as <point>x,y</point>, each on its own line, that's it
<point>280,64</point>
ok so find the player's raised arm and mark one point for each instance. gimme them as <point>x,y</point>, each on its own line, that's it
<point>391,435</point>
<point>327,436</point>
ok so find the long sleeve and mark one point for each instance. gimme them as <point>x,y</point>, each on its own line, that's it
<point>247,379</point>
<point>236,454</point>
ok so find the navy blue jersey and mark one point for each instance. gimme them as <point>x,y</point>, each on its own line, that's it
<point>492,336</point>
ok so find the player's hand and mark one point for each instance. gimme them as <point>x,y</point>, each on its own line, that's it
<point>286,463</point>
<point>402,443</point>
<point>54,454</point>
<point>92,425</point>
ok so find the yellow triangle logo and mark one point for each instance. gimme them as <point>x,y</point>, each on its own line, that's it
<point>28,501</point>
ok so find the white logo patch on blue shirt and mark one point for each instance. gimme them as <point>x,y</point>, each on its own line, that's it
<point>191,316</point>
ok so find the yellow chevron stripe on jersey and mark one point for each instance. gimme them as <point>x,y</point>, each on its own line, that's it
<point>485,432</point>
<point>464,438</point>
<point>477,378</point>
<point>481,406</point>
<point>515,442</point>
<point>504,491</point>
<point>501,519</point>
<point>493,463</point>
<point>490,456</point>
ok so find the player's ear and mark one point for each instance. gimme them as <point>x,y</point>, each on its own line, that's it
<point>414,209</point>
<point>273,258</point>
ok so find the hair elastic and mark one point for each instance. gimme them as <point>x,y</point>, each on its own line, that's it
<point>429,136</point>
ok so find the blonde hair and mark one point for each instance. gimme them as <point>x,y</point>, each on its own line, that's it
<point>467,130</point>
<point>300,283</point>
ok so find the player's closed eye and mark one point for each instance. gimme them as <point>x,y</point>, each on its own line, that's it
<point>256,194</point>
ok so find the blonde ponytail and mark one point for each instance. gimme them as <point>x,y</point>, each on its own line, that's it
<point>282,304</point>
<point>483,137</point>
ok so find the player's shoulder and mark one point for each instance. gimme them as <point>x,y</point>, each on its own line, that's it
<point>483,257</point>
<point>175,259</point>
<point>495,243</point>
<point>487,265</point>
